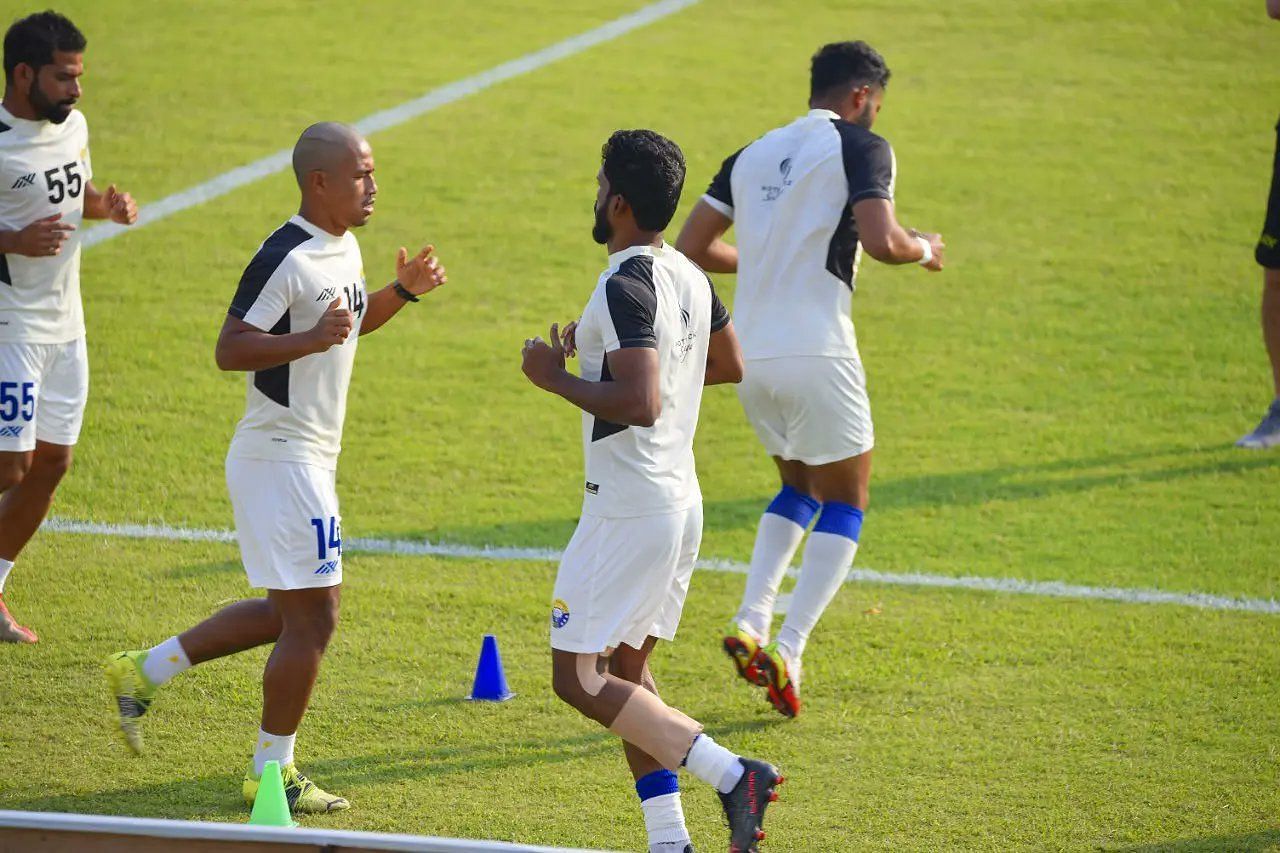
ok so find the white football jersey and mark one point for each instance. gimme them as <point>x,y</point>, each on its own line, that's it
<point>44,169</point>
<point>656,298</point>
<point>791,195</point>
<point>294,412</point>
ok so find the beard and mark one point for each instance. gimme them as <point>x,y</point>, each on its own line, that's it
<point>54,111</point>
<point>601,231</point>
<point>866,117</point>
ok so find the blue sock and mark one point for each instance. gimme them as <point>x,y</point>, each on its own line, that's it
<point>794,505</point>
<point>656,784</point>
<point>841,519</point>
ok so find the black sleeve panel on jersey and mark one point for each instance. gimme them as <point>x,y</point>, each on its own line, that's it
<point>720,188</point>
<point>719,314</point>
<point>868,162</point>
<point>264,264</point>
<point>4,127</point>
<point>633,302</point>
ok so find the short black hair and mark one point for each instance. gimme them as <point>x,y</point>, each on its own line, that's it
<point>846,64</point>
<point>646,169</point>
<point>34,39</point>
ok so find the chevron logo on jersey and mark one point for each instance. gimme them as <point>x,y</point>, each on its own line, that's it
<point>24,181</point>
<point>328,568</point>
<point>10,431</point>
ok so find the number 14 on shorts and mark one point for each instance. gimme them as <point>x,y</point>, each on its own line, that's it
<point>333,539</point>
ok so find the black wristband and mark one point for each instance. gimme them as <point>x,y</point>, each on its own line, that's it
<point>402,293</point>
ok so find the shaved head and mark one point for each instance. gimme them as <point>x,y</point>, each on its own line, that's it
<point>334,167</point>
<point>329,146</point>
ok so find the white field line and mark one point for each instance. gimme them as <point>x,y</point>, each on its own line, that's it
<point>425,548</point>
<point>433,100</point>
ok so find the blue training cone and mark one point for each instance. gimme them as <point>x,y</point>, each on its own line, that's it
<point>491,681</point>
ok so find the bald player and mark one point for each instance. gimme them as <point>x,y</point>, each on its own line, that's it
<point>293,326</point>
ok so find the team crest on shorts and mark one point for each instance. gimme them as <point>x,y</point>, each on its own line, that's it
<point>559,613</point>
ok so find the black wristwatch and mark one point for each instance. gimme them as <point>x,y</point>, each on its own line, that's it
<point>402,293</point>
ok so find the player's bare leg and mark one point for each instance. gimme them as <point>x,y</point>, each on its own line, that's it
<point>843,489</point>
<point>1267,433</point>
<point>1271,323</point>
<point>308,618</point>
<point>657,787</point>
<point>28,481</point>
<point>135,676</point>
<point>671,738</point>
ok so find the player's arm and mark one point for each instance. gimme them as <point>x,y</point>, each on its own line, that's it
<point>1273,9</point>
<point>724,357</point>
<point>888,242</point>
<point>631,397</point>
<point>415,277</point>
<point>702,239</point>
<point>41,239</point>
<point>243,346</point>
<point>114,205</point>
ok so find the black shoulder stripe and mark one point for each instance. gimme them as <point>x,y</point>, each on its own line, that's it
<point>633,302</point>
<point>268,259</point>
<point>600,428</point>
<point>4,127</point>
<point>274,381</point>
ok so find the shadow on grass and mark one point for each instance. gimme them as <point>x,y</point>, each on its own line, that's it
<point>950,489</point>
<point>205,569</point>
<point>217,797</point>
<point>1254,842</point>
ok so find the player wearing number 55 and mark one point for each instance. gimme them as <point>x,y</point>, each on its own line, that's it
<point>45,191</point>
<point>292,326</point>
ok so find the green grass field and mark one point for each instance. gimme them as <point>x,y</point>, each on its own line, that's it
<point>1058,405</point>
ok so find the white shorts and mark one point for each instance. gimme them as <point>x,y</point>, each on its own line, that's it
<point>287,522</point>
<point>43,390</point>
<point>624,579</point>
<point>810,409</point>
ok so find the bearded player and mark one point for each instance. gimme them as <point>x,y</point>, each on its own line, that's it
<point>653,333</point>
<point>806,200</point>
<point>293,327</point>
<point>46,192</point>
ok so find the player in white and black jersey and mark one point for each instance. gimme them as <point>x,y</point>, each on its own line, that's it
<point>805,199</point>
<point>293,326</point>
<point>652,334</point>
<point>45,192</point>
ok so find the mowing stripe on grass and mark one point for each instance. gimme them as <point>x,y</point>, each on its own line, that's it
<point>1049,589</point>
<point>384,119</point>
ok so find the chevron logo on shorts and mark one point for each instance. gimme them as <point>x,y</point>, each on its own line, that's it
<point>10,431</point>
<point>24,181</point>
<point>328,568</point>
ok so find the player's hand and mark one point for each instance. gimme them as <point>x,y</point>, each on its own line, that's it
<point>939,248</point>
<point>421,273</point>
<point>570,338</point>
<point>120,206</point>
<point>43,238</point>
<point>333,327</point>
<point>543,361</point>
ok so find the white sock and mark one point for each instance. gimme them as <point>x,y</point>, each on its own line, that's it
<point>827,560</point>
<point>776,541</point>
<point>713,764</point>
<point>664,821</point>
<point>6,566</point>
<point>165,661</point>
<point>272,748</point>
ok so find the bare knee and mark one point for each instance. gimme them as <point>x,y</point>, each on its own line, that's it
<point>315,625</point>
<point>632,666</point>
<point>13,467</point>
<point>566,684</point>
<point>50,466</point>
